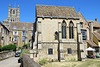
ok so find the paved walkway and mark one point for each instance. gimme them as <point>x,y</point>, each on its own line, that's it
<point>10,62</point>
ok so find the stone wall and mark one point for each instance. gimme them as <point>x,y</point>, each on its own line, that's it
<point>4,55</point>
<point>28,62</point>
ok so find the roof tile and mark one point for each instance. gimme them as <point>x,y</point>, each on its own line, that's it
<point>56,11</point>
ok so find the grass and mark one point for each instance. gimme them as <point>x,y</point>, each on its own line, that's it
<point>89,63</point>
<point>25,51</point>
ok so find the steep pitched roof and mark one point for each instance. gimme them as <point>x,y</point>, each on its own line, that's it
<point>4,26</point>
<point>92,43</point>
<point>97,34</point>
<point>95,23</point>
<point>56,11</point>
<point>20,25</point>
<point>85,21</point>
<point>98,31</point>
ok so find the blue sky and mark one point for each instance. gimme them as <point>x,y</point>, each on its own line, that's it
<point>89,8</point>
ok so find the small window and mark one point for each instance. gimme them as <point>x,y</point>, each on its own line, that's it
<point>2,38</point>
<point>9,38</point>
<point>15,33</point>
<point>23,33</point>
<point>31,27</point>
<point>15,38</point>
<point>23,39</point>
<point>81,24</point>
<point>14,27</point>
<point>23,27</point>
<point>69,51</point>
<point>84,34</point>
<point>50,51</point>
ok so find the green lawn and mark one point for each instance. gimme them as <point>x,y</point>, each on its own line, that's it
<point>88,63</point>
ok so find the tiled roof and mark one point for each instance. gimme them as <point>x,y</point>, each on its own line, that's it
<point>98,31</point>
<point>85,21</point>
<point>97,34</point>
<point>95,23</point>
<point>92,43</point>
<point>21,25</point>
<point>4,26</point>
<point>55,11</point>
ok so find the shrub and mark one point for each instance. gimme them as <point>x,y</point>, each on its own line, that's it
<point>9,47</point>
<point>0,47</point>
<point>19,48</point>
<point>43,61</point>
<point>56,60</point>
<point>73,59</point>
<point>26,46</point>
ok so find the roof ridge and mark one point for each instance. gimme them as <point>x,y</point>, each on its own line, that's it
<point>54,5</point>
<point>82,16</point>
<point>58,11</point>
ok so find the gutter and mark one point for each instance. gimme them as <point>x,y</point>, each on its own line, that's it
<point>55,17</point>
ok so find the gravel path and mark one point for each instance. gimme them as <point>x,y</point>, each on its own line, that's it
<point>10,62</point>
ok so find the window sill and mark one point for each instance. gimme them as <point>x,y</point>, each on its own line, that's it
<point>50,54</point>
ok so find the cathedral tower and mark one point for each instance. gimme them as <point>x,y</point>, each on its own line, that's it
<point>13,14</point>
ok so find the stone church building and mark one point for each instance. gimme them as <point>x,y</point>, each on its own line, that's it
<point>60,33</point>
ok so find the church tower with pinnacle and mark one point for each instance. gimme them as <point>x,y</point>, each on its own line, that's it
<point>13,14</point>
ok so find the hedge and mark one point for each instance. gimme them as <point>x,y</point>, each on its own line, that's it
<point>9,47</point>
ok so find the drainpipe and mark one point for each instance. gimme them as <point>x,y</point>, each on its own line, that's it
<point>78,43</point>
<point>58,43</point>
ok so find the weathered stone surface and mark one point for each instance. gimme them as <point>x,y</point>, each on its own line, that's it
<point>28,62</point>
<point>4,55</point>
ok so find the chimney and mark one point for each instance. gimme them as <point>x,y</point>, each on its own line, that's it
<point>96,19</point>
<point>91,31</point>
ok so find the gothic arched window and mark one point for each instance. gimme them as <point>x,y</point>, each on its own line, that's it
<point>63,29</point>
<point>13,11</point>
<point>71,32</point>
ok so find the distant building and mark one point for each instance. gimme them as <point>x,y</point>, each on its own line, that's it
<point>20,32</point>
<point>13,16</point>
